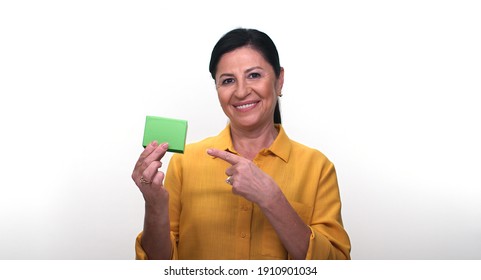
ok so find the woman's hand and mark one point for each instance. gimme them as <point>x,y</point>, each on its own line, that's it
<point>253,184</point>
<point>146,175</point>
<point>247,180</point>
<point>148,178</point>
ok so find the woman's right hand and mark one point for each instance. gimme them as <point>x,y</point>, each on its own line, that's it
<point>149,179</point>
<point>146,175</point>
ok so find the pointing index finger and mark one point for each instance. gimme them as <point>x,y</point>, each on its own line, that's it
<point>224,155</point>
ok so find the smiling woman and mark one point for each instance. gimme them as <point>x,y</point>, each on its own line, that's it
<point>248,89</point>
<point>256,40</point>
<point>249,192</point>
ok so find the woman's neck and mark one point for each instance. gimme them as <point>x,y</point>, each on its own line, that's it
<point>249,143</point>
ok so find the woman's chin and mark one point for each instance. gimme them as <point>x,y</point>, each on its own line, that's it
<point>247,123</point>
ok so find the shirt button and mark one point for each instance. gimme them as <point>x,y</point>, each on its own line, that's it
<point>243,234</point>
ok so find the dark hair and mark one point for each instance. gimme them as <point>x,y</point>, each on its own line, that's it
<point>256,39</point>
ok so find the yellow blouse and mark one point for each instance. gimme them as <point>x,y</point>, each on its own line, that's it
<point>209,222</point>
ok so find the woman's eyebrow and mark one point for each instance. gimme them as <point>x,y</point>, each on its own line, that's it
<point>226,75</point>
<point>253,68</point>
<point>246,71</point>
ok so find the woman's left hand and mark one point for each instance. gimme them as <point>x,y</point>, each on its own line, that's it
<point>247,180</point>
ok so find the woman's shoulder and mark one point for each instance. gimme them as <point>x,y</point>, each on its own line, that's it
<point>299,150</point>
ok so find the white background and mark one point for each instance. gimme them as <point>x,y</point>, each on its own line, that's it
<point>388,90</point>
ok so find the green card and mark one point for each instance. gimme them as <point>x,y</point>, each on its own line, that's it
<point>166,130</point>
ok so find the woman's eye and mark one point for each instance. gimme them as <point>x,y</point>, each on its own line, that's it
<point>227,81</point>
<point>254,75</point>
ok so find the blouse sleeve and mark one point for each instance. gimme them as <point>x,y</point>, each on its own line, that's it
<point>328,238</point>
<point>141,255</point>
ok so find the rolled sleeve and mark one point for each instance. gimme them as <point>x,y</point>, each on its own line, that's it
<point>139,251</point>
<point>321,248</point>
<point>140,254</point>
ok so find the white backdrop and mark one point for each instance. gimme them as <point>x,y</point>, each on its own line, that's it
<point>386,89</point>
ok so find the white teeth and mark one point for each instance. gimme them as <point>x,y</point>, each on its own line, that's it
<point>245,106</point>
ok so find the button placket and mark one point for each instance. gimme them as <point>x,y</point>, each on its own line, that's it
<point>243,228</point>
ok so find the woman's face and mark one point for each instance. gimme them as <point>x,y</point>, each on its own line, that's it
<point>247,88</point>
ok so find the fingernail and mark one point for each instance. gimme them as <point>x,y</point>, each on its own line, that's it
<point>165,146</point>
<point>154,143</point>
<point>209,151</point>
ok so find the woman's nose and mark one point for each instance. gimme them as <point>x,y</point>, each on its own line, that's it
<point>242,90</point>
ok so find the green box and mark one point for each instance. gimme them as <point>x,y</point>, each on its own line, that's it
<point>166,130</point>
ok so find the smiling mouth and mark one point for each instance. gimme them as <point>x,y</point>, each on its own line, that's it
<point>246,106</point>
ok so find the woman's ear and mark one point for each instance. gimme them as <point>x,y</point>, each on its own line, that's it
<point>280,82</point>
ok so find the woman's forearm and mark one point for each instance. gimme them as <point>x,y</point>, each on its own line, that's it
<point>156,235</point>
<point>292,231</point>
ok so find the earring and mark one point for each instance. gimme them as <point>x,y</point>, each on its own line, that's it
<point>280,94</point>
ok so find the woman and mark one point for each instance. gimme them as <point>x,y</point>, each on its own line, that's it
<point>283,200</point>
